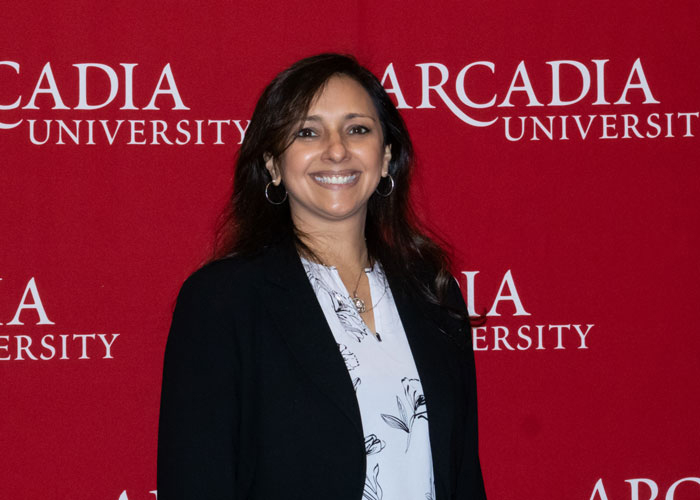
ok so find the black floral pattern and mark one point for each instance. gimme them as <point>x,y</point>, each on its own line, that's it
<point>373,491</point>
<point>351,361</point>
<point>373,444</point>
<point>415,404</point>
<point>413,392</point>
<point>356,383</point>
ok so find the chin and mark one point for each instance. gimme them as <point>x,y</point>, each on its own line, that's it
<point>341,213</point>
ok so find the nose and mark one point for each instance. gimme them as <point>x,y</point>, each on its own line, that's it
<point>335,148</point>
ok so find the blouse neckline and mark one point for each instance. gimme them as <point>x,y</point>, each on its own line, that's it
<point>366,269</point>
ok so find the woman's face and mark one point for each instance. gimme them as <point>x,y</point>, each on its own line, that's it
<point>336,159</point>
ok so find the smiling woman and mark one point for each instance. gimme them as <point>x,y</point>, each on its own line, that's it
<point>325,350</point>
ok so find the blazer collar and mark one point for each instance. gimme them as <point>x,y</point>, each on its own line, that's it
<point>295,309</point>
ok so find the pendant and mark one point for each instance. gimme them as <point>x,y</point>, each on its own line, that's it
<point>359,304</point>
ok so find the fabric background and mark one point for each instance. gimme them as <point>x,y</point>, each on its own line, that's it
<point>551,235</point>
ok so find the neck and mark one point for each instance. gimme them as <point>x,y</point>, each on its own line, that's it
<point>337,243</point>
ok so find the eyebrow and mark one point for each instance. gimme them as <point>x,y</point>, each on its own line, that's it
<point>349,116</point>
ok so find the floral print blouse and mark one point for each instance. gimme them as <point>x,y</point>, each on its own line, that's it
<point>389,393</point>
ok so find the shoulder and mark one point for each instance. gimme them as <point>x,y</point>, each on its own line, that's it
<point>441,283</point>
<point>455,294</point>
<point>225,279</point>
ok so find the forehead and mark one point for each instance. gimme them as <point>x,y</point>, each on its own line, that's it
<point>341,95</point>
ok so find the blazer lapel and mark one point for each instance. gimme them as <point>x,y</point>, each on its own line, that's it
<point>432,368</point>
<point>293,306</point>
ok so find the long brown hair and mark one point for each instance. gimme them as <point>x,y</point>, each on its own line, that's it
<point>395,237</point>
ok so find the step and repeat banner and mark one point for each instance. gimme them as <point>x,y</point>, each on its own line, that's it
<point>557,151</point>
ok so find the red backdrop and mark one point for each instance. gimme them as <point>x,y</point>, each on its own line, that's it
<point>558,152</point>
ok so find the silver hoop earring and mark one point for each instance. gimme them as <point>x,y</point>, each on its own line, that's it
<point>267,195</point>
<point>391,190</point>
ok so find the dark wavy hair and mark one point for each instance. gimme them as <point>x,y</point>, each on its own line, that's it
<point>394,235</point>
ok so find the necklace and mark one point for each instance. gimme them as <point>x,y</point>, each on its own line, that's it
<point>360,304</point>
<point>357,301</point>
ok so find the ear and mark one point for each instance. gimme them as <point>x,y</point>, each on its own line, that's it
<point>386,160</point>
<point>273,168</point>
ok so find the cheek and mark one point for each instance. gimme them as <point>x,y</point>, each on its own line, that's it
<point>295,162</point>
<point>379,159</point>
<point>289,167</point>
<point>372,155</point>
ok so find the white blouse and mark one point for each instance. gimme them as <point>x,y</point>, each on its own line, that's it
<point>388,390</point>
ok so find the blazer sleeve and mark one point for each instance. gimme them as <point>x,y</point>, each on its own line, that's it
<point>470,482</point>
<point>198,410</point>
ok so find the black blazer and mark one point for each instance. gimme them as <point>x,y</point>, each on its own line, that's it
<point>257,402</point>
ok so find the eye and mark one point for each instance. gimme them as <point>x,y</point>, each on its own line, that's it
<point>306,132</point>
<point>359,129</point>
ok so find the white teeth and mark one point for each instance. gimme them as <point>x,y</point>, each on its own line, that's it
<point>336,179</point>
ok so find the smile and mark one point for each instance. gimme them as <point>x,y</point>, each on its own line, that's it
<point>335,179</point>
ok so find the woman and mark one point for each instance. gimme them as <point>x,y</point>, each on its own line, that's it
<point>325,353</point>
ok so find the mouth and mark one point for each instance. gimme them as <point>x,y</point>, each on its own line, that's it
<point>332,179</point>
